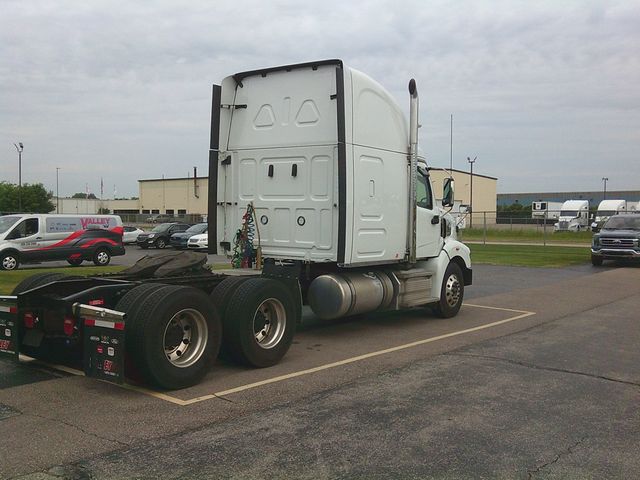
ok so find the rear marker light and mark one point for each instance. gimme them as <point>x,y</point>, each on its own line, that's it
<point>29,320</point>
<point>69,324</point>
<point>96,302</point>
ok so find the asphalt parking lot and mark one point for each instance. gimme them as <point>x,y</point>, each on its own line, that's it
<point>537,377</point>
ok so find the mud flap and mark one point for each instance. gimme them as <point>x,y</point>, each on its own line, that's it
<point>9,344</point>
<point>104,349</point>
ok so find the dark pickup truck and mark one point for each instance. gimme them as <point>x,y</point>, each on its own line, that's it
<point>619,239</point>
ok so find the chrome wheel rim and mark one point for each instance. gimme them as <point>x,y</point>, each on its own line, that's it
<point>9,263</point>
<point>452,290</point>
<point>102,257</point>
<point>269,323</point>
<point>160,243</point>
<point>185,338</point>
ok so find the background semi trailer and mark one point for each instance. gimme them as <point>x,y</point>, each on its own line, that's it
<point>545,210</point>
<point>313,170</point>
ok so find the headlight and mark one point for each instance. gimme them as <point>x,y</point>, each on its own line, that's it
<point>151,235</point>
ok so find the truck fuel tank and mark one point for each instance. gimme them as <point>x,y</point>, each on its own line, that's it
<point>342,294</point>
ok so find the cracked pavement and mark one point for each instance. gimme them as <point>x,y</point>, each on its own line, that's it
<point>556,396</point>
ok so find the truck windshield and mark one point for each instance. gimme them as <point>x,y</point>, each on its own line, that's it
<point>623,223</point>
<point>568,213</point>
<point>7,222</point>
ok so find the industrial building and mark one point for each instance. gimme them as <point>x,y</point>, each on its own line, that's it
<point>188,196</point>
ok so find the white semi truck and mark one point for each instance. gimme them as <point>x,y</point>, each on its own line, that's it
<point>320,162</point>
<point>574,216</point>
<point>607,209</point>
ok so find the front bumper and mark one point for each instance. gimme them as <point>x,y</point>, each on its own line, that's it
<point>615,253</point>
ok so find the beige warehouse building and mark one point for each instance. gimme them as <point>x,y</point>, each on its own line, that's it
<point>188,196</point>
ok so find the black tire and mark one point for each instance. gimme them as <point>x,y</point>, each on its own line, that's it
<point>9,261</point>
<point>161,243</point>
<point>36,280</point>
<point>260,322</point>
<point>74,262</point>
<point>596,261</point>
<point>220,297</point>
<point>451,292</point>
<point>101,257</point>
<point>144,247</point>
<point>166,316</point>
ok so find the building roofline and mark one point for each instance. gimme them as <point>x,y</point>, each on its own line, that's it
<point>170,179</point>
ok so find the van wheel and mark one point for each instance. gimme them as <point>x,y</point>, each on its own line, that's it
<point>260,322</point>
<point>101,257</point>
<point>176,336</point>
<point>74,261</point>
<point>451,293</point>
<point>9,261</point>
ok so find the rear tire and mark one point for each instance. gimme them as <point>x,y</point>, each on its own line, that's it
<point>451,293</point>
<point>176,336</point>
<point>36,280</point>
<point>596,261</point>
<point>74,262</point>
<point>220,297</point>
<point>260,322</point>
<point>160,243</point>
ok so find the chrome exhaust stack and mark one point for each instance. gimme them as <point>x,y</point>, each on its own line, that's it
<point>413,169</point>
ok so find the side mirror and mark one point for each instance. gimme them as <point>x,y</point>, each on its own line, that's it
<point>447,192</point>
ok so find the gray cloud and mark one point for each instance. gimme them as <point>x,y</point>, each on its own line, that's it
<point>546,95</point>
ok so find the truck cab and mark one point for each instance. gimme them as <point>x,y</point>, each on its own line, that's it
<point>574,216</point>
<point>607,209</point>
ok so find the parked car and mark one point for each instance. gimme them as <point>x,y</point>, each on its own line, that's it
<point>130,234</point>
<point>32,238</point>
<point>179,240</point>
<point>160,235</point>
<point>161,218</point>
<point>199,242</point>
<point>619,239</point>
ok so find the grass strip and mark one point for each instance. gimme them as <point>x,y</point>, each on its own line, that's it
<point>529,255</point>
<point>525,235</point>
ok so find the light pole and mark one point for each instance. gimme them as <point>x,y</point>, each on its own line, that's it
<point>471,162</point>
<point>57,191</point>
<point>19,148</point>
<point>604,191</point>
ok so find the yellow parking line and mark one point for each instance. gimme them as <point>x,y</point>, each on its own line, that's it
<point>358,358</point>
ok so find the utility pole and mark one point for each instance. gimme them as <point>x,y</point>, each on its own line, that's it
<point>19,148</point>
<point>604,192</point>
<point>471,162</point>
<point>57,191</point>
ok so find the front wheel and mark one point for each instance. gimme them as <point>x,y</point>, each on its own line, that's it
<point>160,243</point>
<point>596,261</point>
<point>260,321</point>
<point>9,261</point>
<point>74,262</point>
<point>101,257</point>
<point>451,293</point>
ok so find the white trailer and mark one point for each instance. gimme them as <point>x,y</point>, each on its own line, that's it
<point>545,210</point>
<point>607,209</point>
<point>574,216</point>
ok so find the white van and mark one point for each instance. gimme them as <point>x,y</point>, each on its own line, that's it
<point>28,238</point>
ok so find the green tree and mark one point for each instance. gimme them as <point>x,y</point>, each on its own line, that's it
<point>35,199</point>
<point>84,195</point>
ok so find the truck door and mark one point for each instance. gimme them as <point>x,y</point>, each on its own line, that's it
<point>428,238</point>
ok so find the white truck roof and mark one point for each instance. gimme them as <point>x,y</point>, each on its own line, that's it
<point>575,204</point>
<point>613,205</point>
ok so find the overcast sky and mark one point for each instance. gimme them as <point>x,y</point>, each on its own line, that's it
<point>546,94</point>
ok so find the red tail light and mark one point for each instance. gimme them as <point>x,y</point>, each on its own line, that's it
<point>69,324</point>
<point>96,302</point>
<point>29,320</point>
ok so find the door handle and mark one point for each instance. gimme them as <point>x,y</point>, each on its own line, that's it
<point>38,238</point>
<point>435,220</point>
